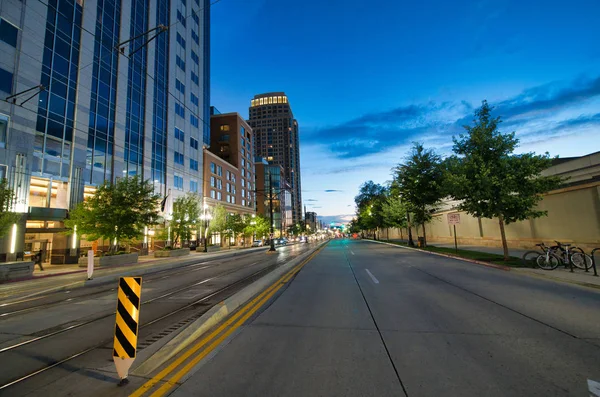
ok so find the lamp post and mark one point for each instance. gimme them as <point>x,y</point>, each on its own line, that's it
<point>272,248</point>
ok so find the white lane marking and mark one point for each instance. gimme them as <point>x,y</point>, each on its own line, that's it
<point>372,277</point>
<point>594,388</point>
<point>352,252</point>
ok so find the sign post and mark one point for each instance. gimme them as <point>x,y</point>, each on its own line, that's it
<point>454,219</point>
<point>126,325</point>
<point>90,266</point>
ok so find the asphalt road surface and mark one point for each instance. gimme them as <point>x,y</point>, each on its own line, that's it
<point>366,319</point>
<point>59,333</point>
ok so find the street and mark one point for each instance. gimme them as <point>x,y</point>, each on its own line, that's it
<point>46,337</point>
<point>367,319</point>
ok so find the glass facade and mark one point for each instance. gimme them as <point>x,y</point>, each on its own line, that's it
<point>206,71</point>
<point>136,90</point>
<point>161,94</point>
<point>56,105</point>
<point>101,130</point>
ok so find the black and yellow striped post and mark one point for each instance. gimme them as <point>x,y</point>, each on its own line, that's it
<point>126,325</point>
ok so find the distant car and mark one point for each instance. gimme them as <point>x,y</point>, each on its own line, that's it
<point>257,243</point>
<point>283,241</point>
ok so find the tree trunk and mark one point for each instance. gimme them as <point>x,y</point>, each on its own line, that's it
<point>503,235</point>
<point>401,235</point>
<point>424,235</point>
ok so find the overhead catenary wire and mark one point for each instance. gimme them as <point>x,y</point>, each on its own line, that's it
<point>80,68</point>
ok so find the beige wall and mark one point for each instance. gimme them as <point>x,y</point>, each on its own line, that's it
<point>573,217</point>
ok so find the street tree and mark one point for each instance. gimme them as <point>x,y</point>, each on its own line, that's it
<point>369,206</point>
<point>117,211</point>
<point>218,223</point>
<point>235,225</point>
<point>7,217</point>
<point>420,183</point>
<point>491,181</point>
<point>394,212</point>
<point>259,226</point>
<point>185,217</point>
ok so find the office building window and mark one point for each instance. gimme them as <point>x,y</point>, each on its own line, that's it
<point>213,194</point>
<point>179,135</point>
<point>212,168</point>
<point>233,199</point>
<point>196,18</point>
<point>193,186</point>
<point>179,110</point>
<point>244,202</point>
<point>4,130</point>
<point>195,58</point>
<point>195,99</point>
<point>243,171</point>
<point>195,38</point>
<point>195,78</point>
<point>228,187</point>
<point>180,40</point>
<point>178,182</point>
<point>180,18</point>
<point>179,86</point>
<point>6,81</point>
<point>219,184</point>
<point>8,33</point>
<point>225,127</point>
<point>219,196</point>
<point>194,121</point>
<point>180,62</point>
<point>224,138</point>
<point>179,158</point>
<point>194,143</point>
<point>219,170</point>
<point>194,164</point>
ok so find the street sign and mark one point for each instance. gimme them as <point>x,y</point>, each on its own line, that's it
<point>454,219</point>
<point>126,325</point>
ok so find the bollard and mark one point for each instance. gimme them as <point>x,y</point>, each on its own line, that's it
<point>90,265</point>
<point>126,325</point>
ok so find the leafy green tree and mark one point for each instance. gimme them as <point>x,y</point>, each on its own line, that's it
<point>116,212</point>
<point>218,223</point>
<point>394,212</point>
<point>369,204</point>
<point>420,183</point>
<point>7,217</point>
<point>235,225</point>
<point>491,181</point>
<point>260,226</point>
<point>185,217</point>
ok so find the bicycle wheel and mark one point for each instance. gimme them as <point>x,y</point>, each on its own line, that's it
<point>530,257</point>
<point>581,261</point>
<point>548,262</point>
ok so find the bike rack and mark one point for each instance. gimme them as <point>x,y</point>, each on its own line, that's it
<point>594,261</point>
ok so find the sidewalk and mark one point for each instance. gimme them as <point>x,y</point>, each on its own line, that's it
<point>58,277</point>
<point>54,270</point>
<point>578,277</point>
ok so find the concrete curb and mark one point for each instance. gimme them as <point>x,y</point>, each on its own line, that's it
<point>557,279</point>
<point>100,280</point>
<point>500,267</point>
<point>215,315</point>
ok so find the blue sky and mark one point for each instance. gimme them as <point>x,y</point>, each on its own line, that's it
<point>367,78</point>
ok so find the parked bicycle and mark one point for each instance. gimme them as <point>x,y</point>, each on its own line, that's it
<point>550,257</point>
<point>572,255</point>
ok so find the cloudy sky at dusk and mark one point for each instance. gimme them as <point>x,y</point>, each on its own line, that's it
<point>367,78</point>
